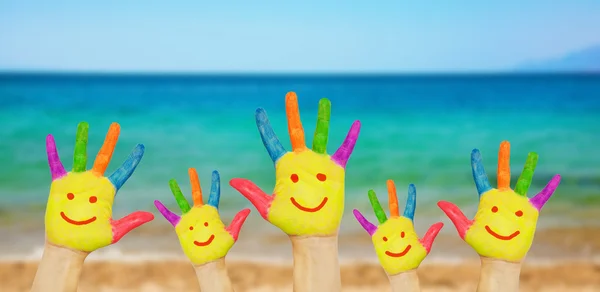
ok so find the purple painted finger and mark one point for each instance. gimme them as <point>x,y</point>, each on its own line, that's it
<point>170,216</point>
<point>368,226</point>
<point>56,168</point>
<point>343,153</point>
<point>542,197</point>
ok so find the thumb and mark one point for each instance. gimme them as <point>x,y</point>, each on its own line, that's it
<point>254,194</point>
<point>124,225</point>
<point>457,217</point>
<point>237,222</point>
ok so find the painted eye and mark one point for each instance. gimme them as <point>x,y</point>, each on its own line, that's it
<point>519,213</point>
<point>294,178</point>
<point>321,177</point>
<point>384,238</point>
<point>191,227</point>
<point>494,209</point>
<point>70,196</point>
<point>206,224</point>
<point>402,234</point>
<point>93,199</point>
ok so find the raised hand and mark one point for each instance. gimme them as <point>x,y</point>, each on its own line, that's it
<point>504,225</point>
<point>79,210</point>
<point>309,191</point>
<point>202,235</point>
<point>396,243</point>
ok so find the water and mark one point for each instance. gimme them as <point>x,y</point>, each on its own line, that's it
<point>416,129</point>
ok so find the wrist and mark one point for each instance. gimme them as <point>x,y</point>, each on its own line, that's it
<point>499,275</point>
<point>406,281</point>
<point>213,276</point>
<point>316,265</point>
<point>59,269</point>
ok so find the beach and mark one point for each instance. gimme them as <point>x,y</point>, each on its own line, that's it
<point>560,260</point>
<point>415,129</point>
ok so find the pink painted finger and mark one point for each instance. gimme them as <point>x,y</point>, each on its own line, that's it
<point>57,170</point>
<point>542,197</point>
<point>457,217</point>
<point>366,225</point>
<point>237,222</point>
<point>258,198</point>
<point>343,153</point>
<point>430,235</point>
<point>124,225</point>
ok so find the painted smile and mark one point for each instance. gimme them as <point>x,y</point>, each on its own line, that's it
<point>74,222</point>
<point>305,209</point>
<point>397,255</point>
<point>501,237</point>
<point>205,243</point>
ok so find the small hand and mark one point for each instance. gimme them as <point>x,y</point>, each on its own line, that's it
<point>309,191</point>
<point>504,225</point>
<point>396,243</point>
<point>202,235</point>
<point>79,211</point>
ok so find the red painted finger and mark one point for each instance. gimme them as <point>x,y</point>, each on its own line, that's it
<point>124,225</point>
<point>457,217</point>
<point>254,194</point>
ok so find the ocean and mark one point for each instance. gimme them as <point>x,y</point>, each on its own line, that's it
<point>415,129</point>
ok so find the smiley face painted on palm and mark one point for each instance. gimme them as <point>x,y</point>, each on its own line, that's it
<point>396,243</point>
<point>308,197</point>
<point>202,235</point>
<point>504,225</point>
<point>79,210</point>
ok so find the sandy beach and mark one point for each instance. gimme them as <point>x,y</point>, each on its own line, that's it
<point>246,276</point>
<point>560,260</point>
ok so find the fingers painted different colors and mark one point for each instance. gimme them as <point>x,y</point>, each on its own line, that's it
<point>308,200</point>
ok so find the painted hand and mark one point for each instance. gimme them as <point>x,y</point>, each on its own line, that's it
<point>202,235</point>
<point>504,225</point>
<point>79,211</point>
<point>309,190</point>
<point>396,243</point>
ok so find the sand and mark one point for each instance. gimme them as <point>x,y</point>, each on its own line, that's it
<point>247,276</point>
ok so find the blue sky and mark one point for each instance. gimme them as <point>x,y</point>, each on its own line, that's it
<point>291,36</point>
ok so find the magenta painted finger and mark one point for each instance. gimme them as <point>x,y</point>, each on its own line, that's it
<point>170,216</point>
<point>368,226</point>
<point>343,153</point>
<point>57,170</point>
<point>542,197</point>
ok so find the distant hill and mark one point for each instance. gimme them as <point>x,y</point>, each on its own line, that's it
<point>586,60</point>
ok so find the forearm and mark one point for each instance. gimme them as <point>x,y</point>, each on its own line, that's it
<point>316,264</point>
<point>213,277</point>
<point>59,269</point>
<point>498,276</point>
<point>405,282</point>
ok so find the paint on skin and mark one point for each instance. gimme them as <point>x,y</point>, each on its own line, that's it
<point>504,225</point>
<point>202,234</point>
<point>79,210</point>
<point>308,196</point>
<point>396,243</point>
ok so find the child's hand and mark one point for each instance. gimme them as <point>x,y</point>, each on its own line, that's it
<point>504,225</point>
<point>79,210</point>
<point>396,243</point>
<point>309,184</point>
<point>202,235</point>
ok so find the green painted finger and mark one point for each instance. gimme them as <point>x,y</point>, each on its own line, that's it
<point>80,155</point>
<point>322,131</point>
<point>181,201</point>
<point>379,213</point>
<point>524,180</point>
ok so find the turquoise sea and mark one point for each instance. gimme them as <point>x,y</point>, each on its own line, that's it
<point>415,129</point>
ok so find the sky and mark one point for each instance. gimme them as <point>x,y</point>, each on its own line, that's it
<point>291,36</point>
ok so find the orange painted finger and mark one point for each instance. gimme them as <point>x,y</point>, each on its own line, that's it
<point>106,152</point>
<point>393,199</point>
<point>294,124</point>
<point>196,190</point>
<point>504,166</point>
